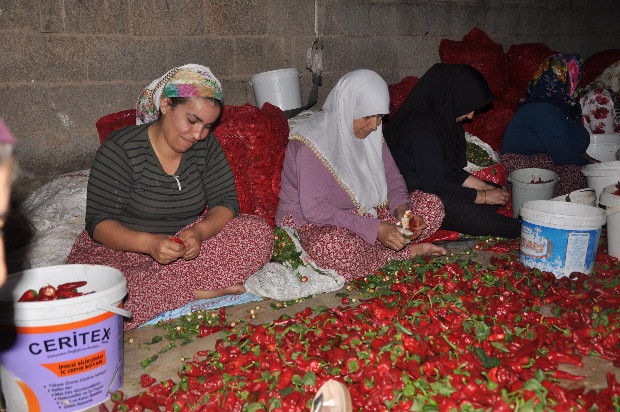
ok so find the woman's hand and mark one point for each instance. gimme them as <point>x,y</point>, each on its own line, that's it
<point>494,196</point>
<point>476,183</point>
<point>389,235</point>
<point>164,250</point>
<point>192,241</point>
<point>399,212</point>
<point>416,225</point>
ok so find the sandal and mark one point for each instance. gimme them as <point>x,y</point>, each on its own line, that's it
<point>332,396</point>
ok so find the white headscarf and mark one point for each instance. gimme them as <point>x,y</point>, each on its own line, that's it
<point>357,164</point>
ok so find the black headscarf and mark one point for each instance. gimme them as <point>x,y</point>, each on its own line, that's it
<point>443,93</point>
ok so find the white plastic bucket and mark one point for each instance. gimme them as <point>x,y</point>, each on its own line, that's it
<point>531,184</point>
<point>603,147</point>
<point>67,354</point>
<point>600,175</point>
<point>582,197</point>
<point>281,88</point>
<point>560,237</point>
<point>611,202</point>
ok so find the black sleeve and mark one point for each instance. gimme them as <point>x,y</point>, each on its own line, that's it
<point>433,170</point>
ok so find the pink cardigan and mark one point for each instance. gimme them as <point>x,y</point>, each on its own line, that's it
<point>310,194</point>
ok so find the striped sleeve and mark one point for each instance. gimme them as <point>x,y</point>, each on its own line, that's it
<point>108,185</point>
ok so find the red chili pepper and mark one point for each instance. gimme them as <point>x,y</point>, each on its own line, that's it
<point>561,357</point>
<point>28,296</point>
<point>146,380</point>
<point>47,291</point>
<point>177,240</point>
<point>204,330</point>
<point>223,315</point>
<point>71,285</point>
<point>558,374</point>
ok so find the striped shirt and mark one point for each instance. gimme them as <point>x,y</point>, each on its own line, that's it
<point>128,184</point>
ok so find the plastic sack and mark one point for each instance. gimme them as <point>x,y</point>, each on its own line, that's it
<point>254,141</point>
<point>523,61</point>
<point>114,121</point>
<point>280,282</point>
<point>399,92</point>
<point>491,124</point>
<point>479,51</point>
<point>594,65</point>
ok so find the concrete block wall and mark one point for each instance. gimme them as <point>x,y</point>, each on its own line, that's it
<point>66,63</point>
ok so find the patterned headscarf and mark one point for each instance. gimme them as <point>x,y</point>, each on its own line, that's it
<point>190,80</point>
<point>357,164</point>
<point>557,81</point>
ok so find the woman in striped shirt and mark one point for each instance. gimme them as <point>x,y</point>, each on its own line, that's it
<point>162,205</point>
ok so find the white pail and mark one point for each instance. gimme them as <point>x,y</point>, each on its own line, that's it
<point>281,88</point>
<point>531,184</point>
<point>600,175</point>
<point>66,354</point>
<point>611,202</point>
<point>560,237</point>
<point>603,147</point>
<point>582,197</point>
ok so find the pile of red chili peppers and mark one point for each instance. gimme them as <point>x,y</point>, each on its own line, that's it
<point>432,335</point>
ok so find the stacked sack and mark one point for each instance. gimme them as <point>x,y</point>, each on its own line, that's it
<point>254,141</point>
<point>507,74</point>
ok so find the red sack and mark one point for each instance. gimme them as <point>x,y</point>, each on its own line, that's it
<point>114,121</point>
<point>254,141</point>
<point>495,174</point>
<point>489,126</point>
<point>399,92</point>
<point>523,61</point>
<point>596,64</point>
<point>479,51</point>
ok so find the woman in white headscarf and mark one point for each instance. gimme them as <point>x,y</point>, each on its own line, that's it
<point>342,191</point>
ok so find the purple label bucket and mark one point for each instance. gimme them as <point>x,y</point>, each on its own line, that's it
<point>67,354</point>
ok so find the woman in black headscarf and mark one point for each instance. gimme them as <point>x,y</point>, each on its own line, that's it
<point>427,141</point>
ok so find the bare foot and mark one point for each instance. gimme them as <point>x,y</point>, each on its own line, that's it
<point>209,294</point>
<point>426,249</point>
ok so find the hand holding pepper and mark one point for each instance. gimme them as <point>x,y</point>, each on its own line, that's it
<point>416,225</point>
<point>165,250</point>
<point>192,241</point>
<point>389,235</point>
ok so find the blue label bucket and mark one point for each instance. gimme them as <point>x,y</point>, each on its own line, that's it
<point>66,354</point>
<point>560,237</point>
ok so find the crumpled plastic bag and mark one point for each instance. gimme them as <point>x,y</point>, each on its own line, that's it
<point>280,282</point>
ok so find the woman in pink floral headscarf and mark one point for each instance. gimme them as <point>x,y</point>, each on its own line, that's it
<point>546,131</point>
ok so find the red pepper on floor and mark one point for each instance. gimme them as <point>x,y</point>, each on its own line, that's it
<point>560,357</point>
<point>558,374</point>
<point>146,380</point>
